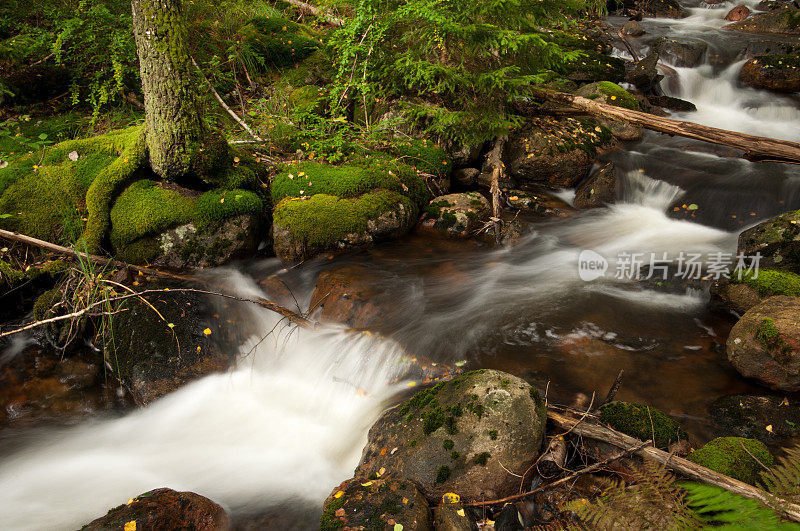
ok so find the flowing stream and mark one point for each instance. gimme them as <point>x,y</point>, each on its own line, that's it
<point>289,422</point>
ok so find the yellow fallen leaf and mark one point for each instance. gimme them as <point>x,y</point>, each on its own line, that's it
<point>171,325</point>
<point>236,160</point>
<point>339,494</point>
<point>367,484</point>
<point>382,471</point>
<point>130,526</point>
<point>460,512</point>
<point>207,331</point>
<point>769,428</point>
<point>411,384</point>
<point>130,501</point>
<point>450,497</point>
<point>405,500</point>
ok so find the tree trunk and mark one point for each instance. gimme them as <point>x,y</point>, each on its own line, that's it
<point>174,123</point>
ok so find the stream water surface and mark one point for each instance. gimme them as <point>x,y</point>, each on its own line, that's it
<point>288,424</point>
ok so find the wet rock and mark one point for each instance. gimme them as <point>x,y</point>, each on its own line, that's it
<point>186,247</point>
<point>780,73</point>
<point>750,415</point>
<point>452,517</point>
<point>153,358</point>
<point>454,436</point>
<point>765,343</point>
<point>38,386</point>
<point>777,240</point>
<point>165,509</point>
<point>461,154</point>
<point>734,296</point>
<point>771,5</point>
<point>466,176</point>
<point>738,13</point>
<point>642,422</point>
<point>633,28</point>
<point>538,203</point>
<point>735,457</point>
<point>555,153</point>
<point>362,503</point>
<point>644,74</point>
<point>672,104</point>
<point>456,215</point>
<point>352,295</point>
<point>662,9</point>
<point>683,52</point>
<point>599,189</point>
<point>784,21</point>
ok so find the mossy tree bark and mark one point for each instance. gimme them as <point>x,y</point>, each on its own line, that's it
<point>175,126</point>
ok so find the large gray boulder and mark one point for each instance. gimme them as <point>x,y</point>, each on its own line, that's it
<point>461,436</point>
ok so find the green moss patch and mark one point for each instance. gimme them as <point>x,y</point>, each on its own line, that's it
<point>423,155</point>
<point>770,337</point>
<point>348,181</point>
<point>616,95</point>
<point>735,457</point>
<point>771,282</point>
<point>323,219</point>
<point>642,422</point>
<point>146,209</point>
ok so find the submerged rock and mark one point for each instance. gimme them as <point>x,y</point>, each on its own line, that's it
<point>780,73</point>
<point>538,203</point>
<point>766,418</point>
<point>735,457</point>
<point>642,422</point>
<point>765,343</point>
<point>554,153</point>
<point>375,503</point>
<point>453,437</point>
<point>672,104</point>
<point>644,74</point>
<point>456,215</point>
<point>165,509</point>
<point>599,189</point>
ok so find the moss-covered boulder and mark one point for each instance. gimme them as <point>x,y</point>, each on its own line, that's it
<point>772,72</point>
<point>362,503</point>
<point>165,509</point>
<point>613,94</point>
<point>765,343</point>
<point>684,51</point>
<point>557,153</point>
<point>456,215</point>
<point>454,436</point>
<point>777,240</point>
<point>599,189</point>
<point>770,419</point>
<point>323,208</point>
<point>643,422</point>
<point>737,457</point>
<point>157,346</point>
<point>176,228</point>
<point>784,21</point>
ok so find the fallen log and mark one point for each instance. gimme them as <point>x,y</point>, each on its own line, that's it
<point>755,147</point>
<point>67,251</point>
<point>682,466</point>
<point>317,12</point>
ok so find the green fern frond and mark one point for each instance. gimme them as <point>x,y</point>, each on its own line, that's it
<point>784,478</point>
<point>715,506</point>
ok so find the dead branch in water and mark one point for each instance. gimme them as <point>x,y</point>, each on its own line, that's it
<point>495,159</point>
<point>295,317</point>
<point>755,147</point>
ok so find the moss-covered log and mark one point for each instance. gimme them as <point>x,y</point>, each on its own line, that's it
<point>175,127</point>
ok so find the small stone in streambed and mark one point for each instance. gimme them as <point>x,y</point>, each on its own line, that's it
<point>455,215</point>
<point>738,13</point>
<point>165,509</point>
<point>538,203</point>
<point>465,410</point>
<point>362,503</point>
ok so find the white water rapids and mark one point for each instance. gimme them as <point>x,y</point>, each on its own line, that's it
<point>289,423</point>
